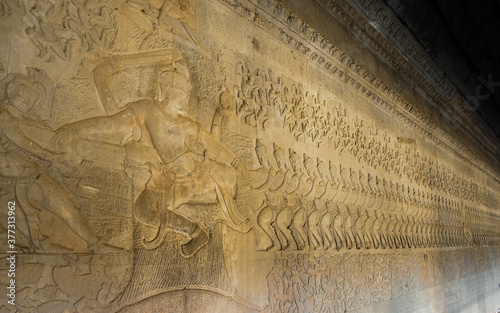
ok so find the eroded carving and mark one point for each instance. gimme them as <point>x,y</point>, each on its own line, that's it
<point>144,185</point>
<point>55,24</point>
<point>192,166</point>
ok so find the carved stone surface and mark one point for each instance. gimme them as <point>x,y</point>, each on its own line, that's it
<point>225,156</point>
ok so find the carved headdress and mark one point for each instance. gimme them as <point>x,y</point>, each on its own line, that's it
<point>25,92</point>
<point>294,160</point>
<point>308,164</point>
<point>261,151</point>
<point>279,156</point>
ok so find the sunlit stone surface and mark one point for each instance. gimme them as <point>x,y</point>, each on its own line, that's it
<point>237,156</point>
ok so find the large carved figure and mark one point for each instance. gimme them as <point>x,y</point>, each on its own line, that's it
<point>23,162</point>
<point>187,163</point>
<point>124,208</point>
<point>267,179</point>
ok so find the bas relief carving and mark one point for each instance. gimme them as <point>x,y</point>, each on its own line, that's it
<point>176,176</point>
<point>353,208</point>
<point>190,166</point>
<point>54,27</point>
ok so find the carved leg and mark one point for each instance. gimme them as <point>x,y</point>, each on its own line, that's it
<point>368,240</point>
<point>299,221</point>
<point>34,35</point>
<point>389,236</point>
<point>199,236</point>
<point>359,234</point>
<point>349,235</point>
<point>367,234</point>
<point>31,216</point>
<point>397,234</point>
<point>383,240</point>
<point>423,235</point>
<point>314,232</point>
<point>417,235</point>
<point>156,211</point>
<point>413,236</point>
<point>326,223</point>
<point>402,237</point>
<point>45,193</point>
<point>267,237</point>
<point>376,237</point>
<point>338,231</point>
<point>283,222</point>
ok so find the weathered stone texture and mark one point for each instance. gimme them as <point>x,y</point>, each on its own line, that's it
<point>231,156</point>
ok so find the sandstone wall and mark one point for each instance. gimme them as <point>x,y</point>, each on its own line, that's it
<point>235,156</point>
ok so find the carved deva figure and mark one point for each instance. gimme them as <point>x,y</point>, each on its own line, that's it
<point>187,165</point>
<point>23,162</point>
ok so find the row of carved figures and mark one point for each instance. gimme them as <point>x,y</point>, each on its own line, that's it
<point>301,224</point>
<point>289,173</point>
<point>306,202</point>
<point>260,98</point>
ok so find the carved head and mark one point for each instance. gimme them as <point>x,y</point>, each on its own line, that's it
<point>322,169</point>
<point>185,5</point>
<point>345,179</point>
<point>261,152</point>
<point>333,172</point>
<point>174,83</point>
<point>363,181</point>
<point>294,160</point>
<point>280,157</point>
<point>309,165</point>
<point>226,101</point>
<point>22,92</point>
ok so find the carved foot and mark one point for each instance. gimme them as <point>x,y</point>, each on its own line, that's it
<point>199,239</point>
<point>303,246</point>
<point>285,247</point>
<point>264,245</point>
<point>326,245</point>
<point>340,245</point>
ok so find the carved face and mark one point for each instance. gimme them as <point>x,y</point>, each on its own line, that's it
<point>323,171</point>
<point>261,152</point>
<point>333,172</point>
<point>309,165</point>
<point>280,157</point>
<point>184,5</point>
<point>227,102</point>
<point>294,161</point>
